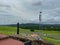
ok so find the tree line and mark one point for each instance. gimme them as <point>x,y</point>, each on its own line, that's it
<point>55,27</point>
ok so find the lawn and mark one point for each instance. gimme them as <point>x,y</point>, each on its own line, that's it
<point>52,36</point>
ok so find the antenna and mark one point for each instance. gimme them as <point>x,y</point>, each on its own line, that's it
<point>40,14</point>
<point>40,17</point>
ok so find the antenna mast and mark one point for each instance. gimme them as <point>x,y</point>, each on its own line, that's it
<point>40,28</point>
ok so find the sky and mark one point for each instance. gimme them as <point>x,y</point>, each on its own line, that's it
<point>27,11</point>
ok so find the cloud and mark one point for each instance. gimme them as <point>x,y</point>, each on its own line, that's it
<point>28,10</point>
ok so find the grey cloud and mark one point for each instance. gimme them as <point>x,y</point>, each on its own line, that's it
<point>29,9</point>
<point>8,6</point>
<point>37,3</point>
<point>8,19</point>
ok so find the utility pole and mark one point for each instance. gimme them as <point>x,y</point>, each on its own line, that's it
<point>18,28</point>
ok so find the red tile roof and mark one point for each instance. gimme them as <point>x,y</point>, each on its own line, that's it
<point>10,41</point>
<point>3,36</point>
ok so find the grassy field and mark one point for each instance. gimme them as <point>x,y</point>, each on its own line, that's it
<point>51,36</point>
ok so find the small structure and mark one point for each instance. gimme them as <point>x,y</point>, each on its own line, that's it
<point>32,29</point>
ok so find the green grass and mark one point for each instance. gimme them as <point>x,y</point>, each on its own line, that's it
<point>52,32</point>
<point>12,30</point>
<point>7,30</point>
<point>54,41</point>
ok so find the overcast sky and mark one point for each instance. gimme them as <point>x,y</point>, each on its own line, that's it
<point>27,11</point>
